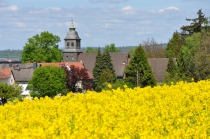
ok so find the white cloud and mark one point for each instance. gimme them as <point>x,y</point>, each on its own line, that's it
<point>55,8</point>
<point>107,25</point>
<point>13,8</point>
<point>107,1</point>
<point>44,10</point>
<point>128,10</point>
<point>9,8</point>
<point>96,26</point>
<point>173,8</point>
<point>20,24</point>
<point>87,35</point>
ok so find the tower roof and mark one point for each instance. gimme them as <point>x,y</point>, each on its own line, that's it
<point>72,34</point>
<point>72,25</point>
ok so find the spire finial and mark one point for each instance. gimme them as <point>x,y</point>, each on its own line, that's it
<point>72,24</point>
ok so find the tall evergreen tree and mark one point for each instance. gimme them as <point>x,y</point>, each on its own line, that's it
<point>103,66</point>
<point>139,72</point>
<point>171,72</point>
<point>195,26</point>
<point>174,46</point>
<point>97,70</point>
<point>107,64</point>
<point>173,50</point>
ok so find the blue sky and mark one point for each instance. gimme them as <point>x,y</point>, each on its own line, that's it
<point>98,22</point>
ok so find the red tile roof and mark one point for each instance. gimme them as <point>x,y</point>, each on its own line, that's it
<point>59,64</point>
<point>5,73</point>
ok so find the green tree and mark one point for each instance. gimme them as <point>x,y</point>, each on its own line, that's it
<point>171,72</point>
<point>107,76</point>
<point>108,66</point>
<point>111,48</point>
<point>139,72</point>
<point>9,91</point>
<point>202,58</point>
<point>47,81</point>
<point>188,53</point>
<point>42,48</point>
<point>174,45</point>
<point>91,50</point>
<point>103,66</point>
<point>195,26</point>
<point>97,70</point>
<point>131,51</point>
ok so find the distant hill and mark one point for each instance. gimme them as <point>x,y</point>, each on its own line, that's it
<point>10,54</point>
<point>16,54</point>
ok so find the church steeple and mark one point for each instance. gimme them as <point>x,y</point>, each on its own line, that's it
<point>72,27</point>
<point>72,45</point>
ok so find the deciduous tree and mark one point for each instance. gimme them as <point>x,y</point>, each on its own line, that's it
<point>77,76</point>
<point>42,48</point>
<point>153,49</point>
<point>9,91</point>
<point>47,81</point>
<point>111,48</point>
<point>91,50</point>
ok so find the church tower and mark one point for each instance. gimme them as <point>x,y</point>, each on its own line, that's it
<point>72,45</point>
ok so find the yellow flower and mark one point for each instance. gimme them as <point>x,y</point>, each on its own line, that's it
<point>125,86</point>
<point>176,111</point>
<point>109,86</point>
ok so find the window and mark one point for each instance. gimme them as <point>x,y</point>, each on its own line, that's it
<point>72,44</point>
<point>67,43</point>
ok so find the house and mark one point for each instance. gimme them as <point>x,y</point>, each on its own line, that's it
<point>119,61</point>
<point>68,64</point>
<point>79,65</point>
<point>6,76</point>
<point>22,72</point>
<point>73,53</point>
<point>159,66</point>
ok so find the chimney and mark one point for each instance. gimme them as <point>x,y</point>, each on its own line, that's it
<point>34,65</point>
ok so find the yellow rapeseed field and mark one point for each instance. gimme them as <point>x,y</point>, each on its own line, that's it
<point>176,111</point>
